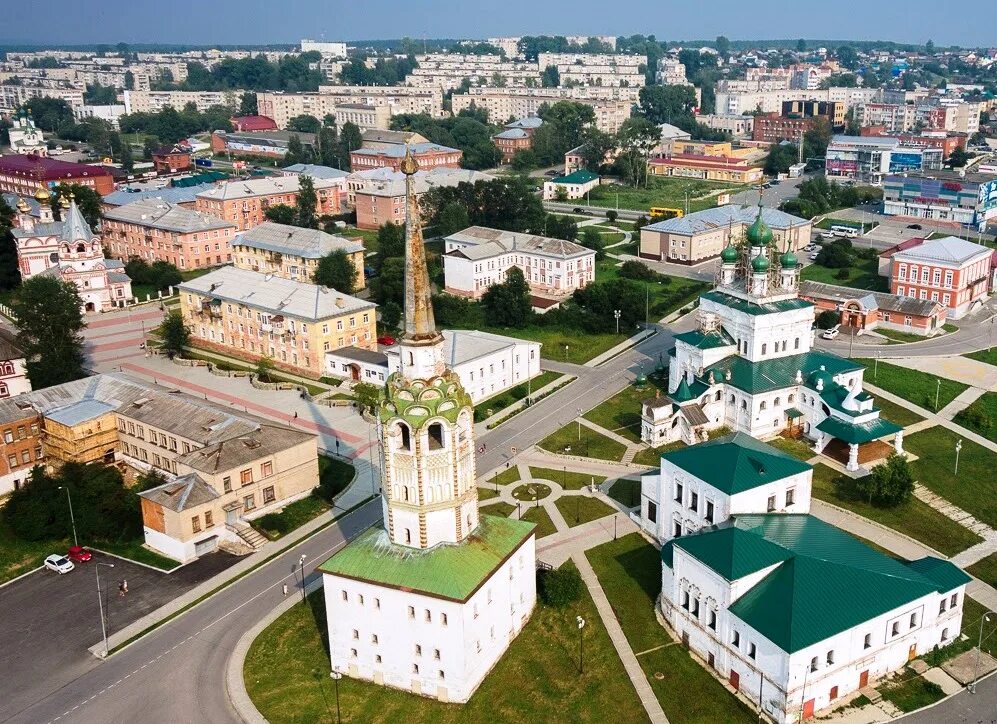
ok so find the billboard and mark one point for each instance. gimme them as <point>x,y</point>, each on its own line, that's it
<point>904,161</point>
<point>988,195</point>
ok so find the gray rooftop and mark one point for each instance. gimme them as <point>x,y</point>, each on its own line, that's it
<point>357,354</point>
<point>466,345</point>
<point>398,151</point>
<point>485,242</point>
<point>295,241</point>
<point>73,227</point>
<point>869,300</point>
<point>512,133</point>
<point>239,450</point>
<point>310,302</point>
<point>526,122</point>
<point>947,250</point>
<point>707,220</point>
<point>158,214</point>
<point>182,493</point>
<point>230,190</point>
<point>315,171</point>
<point>182,195</point>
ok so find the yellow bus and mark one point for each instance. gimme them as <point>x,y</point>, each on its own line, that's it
<point>660,213</point>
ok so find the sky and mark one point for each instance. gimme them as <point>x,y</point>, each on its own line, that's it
<point>206,22</point>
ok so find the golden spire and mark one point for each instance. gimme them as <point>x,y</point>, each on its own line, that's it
<point>22,206</point>
<point>420,326</point>
<point>65,200</point>
<point>409,165</point>
<point>42,194</point>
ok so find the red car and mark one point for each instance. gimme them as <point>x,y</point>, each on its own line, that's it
<point>386,340</point>
<point>79,554</point>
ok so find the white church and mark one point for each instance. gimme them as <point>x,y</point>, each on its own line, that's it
<point>751,365</point>
<point>792,612</point>
<point>429,602</point>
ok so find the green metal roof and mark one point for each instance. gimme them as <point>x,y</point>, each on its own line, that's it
<point>747,307</point>
<point>826,581</point>
<point>452,571</point>
<point>858,433</point>
<point>578,177</point>
<point>682,392</point>
<point>792,413</point>
<point>706,340</point>
<point>775,374</point>
<point>732,552</point>
<point>735,463</point>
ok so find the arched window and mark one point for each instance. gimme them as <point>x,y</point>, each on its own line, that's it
<point>791,399</point>
<point>777,402</point>
<point>718,396</point>
<point>744,404</point>
<point>945,634</point>
<point>436,436</point>
<point>81,248</point>
<point>408,535</point>
<point>762,406</point>
<point>4,392</point>
<point>411,358</point>
<point>405,493</point>
<point>406,437</point>
<point>733,399</point>
<point>469,526</point>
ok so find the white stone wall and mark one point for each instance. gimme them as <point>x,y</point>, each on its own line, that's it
<point>382,634</point>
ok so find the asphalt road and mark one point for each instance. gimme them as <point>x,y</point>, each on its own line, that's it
<point>50,620</point>
<point>176,674</point>
<point>978,708</point>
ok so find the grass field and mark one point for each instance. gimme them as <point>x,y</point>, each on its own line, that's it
<point>799,449</point>
<point>501,508</point>
<point>294,515</point>
<point>486,493</point>
<point>912,385</point>
<point>497,403</point>
<point>629,571</point>
<point>981,416</point>
<point>667,192</point>
<point>567,479</point>
<point>908,691</point>
<point>581,509</point>
<point>287,676</point>
<point>529,492</point>
<point>974,488</point>
<point>914,518</point>
<point>621,412</point>
<point>335,473</point>
<point>863,274</point>
<point>661,298</point>
<point>626,492</point>
<point>985,569</point>
<point>985,355</point>
<point>896,413</point>
<point>828,222</point>
<point>581,346</point>
<point>651,456</point>
<point>580,440</point>
<point>509,475</point>
<point>538,515</point>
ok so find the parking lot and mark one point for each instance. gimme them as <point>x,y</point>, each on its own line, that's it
<point>50,620</point>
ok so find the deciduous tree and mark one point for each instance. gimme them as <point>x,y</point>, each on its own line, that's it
<point>337,271</point>
<point>49,324</point>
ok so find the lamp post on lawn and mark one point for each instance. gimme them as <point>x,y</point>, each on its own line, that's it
<point>938,390</point>
<point>336,676</point>
<point>581,662</point>
<point>301,562</point>
<point>976,669</point>
<point>72,519</point>
<point>958,447</point>
<point>100,603</point>
<point>579,422</point>
<point>565,353</point>
<point>616,314</point>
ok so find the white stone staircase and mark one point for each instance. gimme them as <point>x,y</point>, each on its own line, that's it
<point>252,537</point>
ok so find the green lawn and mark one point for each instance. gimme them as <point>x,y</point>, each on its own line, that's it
<point>827,222</point>
<point>485,493</point>
<point>501,508</point>
<point>626,492</point>
<point>629,571</point>
<point>495,404</point>
<point>509,475</point>
<point>612,237</point>
<point>985,355</point>
<point>134,550</point>
<point>621,412</point>
<point>334,473</point>
<point>539,515</point>
<point>799,449</point>
<point>582,346</point>
<point>914,518</point>
<point>583,441</point>
<point>293,516</point>
<point>863,274</point>
<point>581,509</point>
<point>985,569</point>
<point>975,488</point>
<point>667,192</point>
<point>912,385</point>
<point>895,413</point>
<point>529,492</point>
<point>908,691</point>
<point>662,297</point>
<point>651,456</point>
<point>981,416</point>
<point>567,479</point>
<point>287,676</point>
<point>901,337</point>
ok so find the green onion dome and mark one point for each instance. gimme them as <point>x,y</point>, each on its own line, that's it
<point>760,263</point>
<point>788,260</point>
<point>729,254</point>
<point>759,234</point>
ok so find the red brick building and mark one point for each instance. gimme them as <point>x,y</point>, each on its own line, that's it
<point>517,136</point>
<point>24,175</point>
<point>947,142</point>
<point>20,439</point>
<point>955,272</point>
<point>429,156</point>
<point>864,310</point>
<point>253,123</point>
<point>171,159</point>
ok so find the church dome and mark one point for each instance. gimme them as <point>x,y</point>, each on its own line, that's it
<point>788,260</point>
<point>22,206</point>
<point>42,194</point>
<point>759,234</point>
<point>760,263</point>
<point>729,254</point>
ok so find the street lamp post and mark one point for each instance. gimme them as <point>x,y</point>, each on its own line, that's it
<point>72,519</point>
<point>100,603</point>
<point>579,422</point>
<point>938,390</point>
<point>336,676</point>
<point>301,562</point>
<point>958,447</point>
<point>616,314</point>
<point>976,668</point>
<point>581,661</point>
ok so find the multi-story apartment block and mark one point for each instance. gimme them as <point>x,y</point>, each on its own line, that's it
<point>379,194</point>
<point>282,107</point>
<point>955,272</point>
<point>502,103</point>
<point>326,48</point>
<point>155,230</point>
<point>737,103</point>
<point>362,115</point>
<point>252,315</point>
<point>154,101</point>
<point>893,117</point>
<point>20,442</point>
<point>13,97</point>
<point>429,155</point>
<point>448,70</point>
<point>671,72</point>
<point>601,69</point>
<point>244,203</point>
<point>292,252</point>
<point>13,369</point>
<point>478,257</point>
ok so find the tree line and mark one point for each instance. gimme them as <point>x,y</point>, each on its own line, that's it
<point>291,73</point>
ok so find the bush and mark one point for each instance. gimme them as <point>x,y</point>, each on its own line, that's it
<point>827,319</point>
<point>612,215</point>
<point>633,269</point>
<point>974,418</point>
<point>273,523</point>
<point>559,587</point>
<point>842,273</point>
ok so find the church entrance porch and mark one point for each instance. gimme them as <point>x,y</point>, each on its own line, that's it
<point>868,452</point>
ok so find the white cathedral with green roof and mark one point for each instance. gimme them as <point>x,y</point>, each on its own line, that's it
<point>751,366</point>
<point>429,601</point>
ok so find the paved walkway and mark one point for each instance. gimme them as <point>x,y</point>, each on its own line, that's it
<point>961,369</point>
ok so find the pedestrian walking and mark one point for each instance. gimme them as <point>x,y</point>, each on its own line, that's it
<point>295,414</point>
<point>285,590</point>
<point>122,589</point>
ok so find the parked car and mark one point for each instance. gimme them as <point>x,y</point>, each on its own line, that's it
<point>386,339</point>
<point>832,332</point>
<point>914,226</point>
<point>551,173</point>
<point>79,554</point>
<point>59,564</point>
<point>578,210</point>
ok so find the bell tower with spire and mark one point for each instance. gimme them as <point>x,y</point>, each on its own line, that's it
<point>426,419</point>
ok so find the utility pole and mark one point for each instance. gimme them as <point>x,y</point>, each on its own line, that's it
<point>100,602</point>
<point>581,662</point>
<point>72,519</point>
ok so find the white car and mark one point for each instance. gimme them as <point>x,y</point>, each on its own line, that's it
<point>830,333</point>
<point>59,564</point>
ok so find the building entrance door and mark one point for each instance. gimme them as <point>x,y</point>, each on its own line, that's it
<point>912,653</point>
<point>808,709</point>
<point>864,679</point>
<point>735,680</point>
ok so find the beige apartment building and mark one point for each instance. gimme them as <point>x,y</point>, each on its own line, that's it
<point>149,101</point>
<point>249,314</point>
<point>505,103</point>
<point>282,107</point>
<point>155,230</point>
<point>599,69</point>
<point>244,203</point>
<point>448,70</point>
<point>292,252</point>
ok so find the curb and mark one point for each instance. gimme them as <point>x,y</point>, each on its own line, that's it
<point>23,575</point>
<point>963,690</point>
